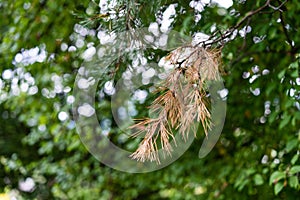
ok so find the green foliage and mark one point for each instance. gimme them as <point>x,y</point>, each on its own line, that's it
<point>257,156</point>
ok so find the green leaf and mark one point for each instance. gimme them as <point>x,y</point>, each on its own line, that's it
<point>258,179</point>
<point>265,170</point>
<point>294,65</point>
<point>295,169</point>
<point>272,117</point>
<point>278,187</point>
<point>250,171</point>
<point>284,122</point>
<point>269,90</point>
<point>291,145</point>
<point>293,121</point>
<point>297,115</point>
<point>293,182</point>
<point>230,56</point>
<point>276,176</point>
<point>242,185</point>
<point>295,74</point>
<point>281,74</point>
<point>294,159</point>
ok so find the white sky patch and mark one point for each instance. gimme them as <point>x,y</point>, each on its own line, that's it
<point>27,185</point>
<point>165,64</point>
<point>58,85</point>
<point>103,6</point>
<point>127,75</point>
<point>70,99</point>
<point>223,3</point>
<point>153,28</point>
<point>143,60</point>
<point>42,127</point>
<point>292,92</point>
<point>63,116</point>
<point>255,69</point>
<point>163,40</point>
<point>105,37</point>
<point>67,89</point>
<point>106,5</point>
<point>253,78</point>
<point>85,83</point>
<point>109,88</point>
<point>149,73</point>
<point>33,90</point>
<point>122,113</point>
<point>31,56</point>
<point>255,92</point>
<point>24,87</point>
<point>298,81</point>
<point>7,74</point>
<point>19,81</point>
<point>89,53</point>
<point>72,49</point>
<point>106,125</point>
<point>101,52</point>
<point>246,75</point>
<point>168,18</point>
<point>81,30</point>
<point>79,43</point>
<point>200,37</point>
<point>86,110</point>
<point>265,72</point>
<point>199,6</point>
<point>140,95</point>
<point>18,57</point>
<point>245,30</point>
<point>223,93</point>
<point>131,109</point>
<point>26,5</point>
<point>149,38</point>
<point>258,39</point>
<point>63,47</point>
<point>15,90</point>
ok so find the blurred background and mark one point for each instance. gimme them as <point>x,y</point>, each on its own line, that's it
<point>43,44</point>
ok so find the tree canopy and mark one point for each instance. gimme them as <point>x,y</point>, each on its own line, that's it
<point>45,45</point>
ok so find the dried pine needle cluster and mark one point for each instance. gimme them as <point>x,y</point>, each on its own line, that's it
<point>183,101</point>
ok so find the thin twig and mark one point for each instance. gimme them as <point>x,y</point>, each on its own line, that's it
<point>245,36</point>
<point>230,31</point>
<point>278,7</point>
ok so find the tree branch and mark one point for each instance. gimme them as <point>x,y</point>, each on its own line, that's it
<point>231,30</point>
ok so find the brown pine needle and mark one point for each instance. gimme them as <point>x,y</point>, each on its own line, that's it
<point>183,102</point>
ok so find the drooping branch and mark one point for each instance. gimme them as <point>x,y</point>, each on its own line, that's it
<point>183,103</point>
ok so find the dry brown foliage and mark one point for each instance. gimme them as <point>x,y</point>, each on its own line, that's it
<point>182,103</point>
